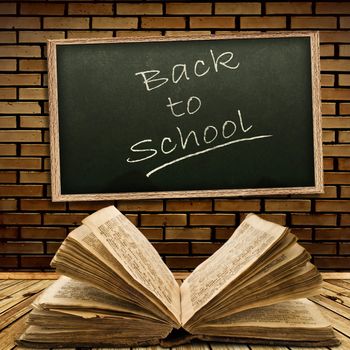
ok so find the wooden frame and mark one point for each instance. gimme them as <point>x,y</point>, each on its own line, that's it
<point>317,130</point>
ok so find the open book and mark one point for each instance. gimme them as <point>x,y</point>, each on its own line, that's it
<point>117,291</point>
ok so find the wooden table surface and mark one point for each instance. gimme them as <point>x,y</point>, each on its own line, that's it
<point>19,289</point>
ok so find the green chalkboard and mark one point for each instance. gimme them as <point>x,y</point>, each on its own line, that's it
<point>205,116</point>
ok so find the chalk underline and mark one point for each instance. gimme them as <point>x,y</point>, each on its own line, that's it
<point>204,151</point>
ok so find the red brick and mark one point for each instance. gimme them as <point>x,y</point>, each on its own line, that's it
<point>304,22</point>
<point>326,50</point>
<point>163,22</point>
<point>20,22</point>
<point>237,205</point>
<point>19,51</point>
<point>332,262</point>
<point>314,219</point>
<point>344,79</point>
<point>89,34</point>
<point>328,163</point>
<point>328,136</point>
<point>90,9</point>
<point>345,220</point>
<point>8,122</point>
<point>89,206</point>
<point>345,22</point>
<point>238,8</point>
<point>344,50</point>
<point>8,65</point>
<point>8,37</point>
<point>66,23</point>
<point>333,206</point>
<point>8,204</point>
<point>334,7</point>
<point>138,33</point>
<point>275,8</point>
<point>223,233</point>
<point>38,121</point>
<point>335,65</point>
<point>335,37</point>
<point>328,108</point>
<point>188,233</point>
<point>335,94</point>
<point>20,218</point>
<point>8,8</point>
<point>52,247</point>
<point>344,248</point>
<point>8,232</point>
<point>336,150</point>
<point>152,233</point>
<point>38,177</point>
<point>163,219</point>
<point>321,248</point>
<point>276,218</point>
<point>20,79</point>
<point>21,247</point>
<point>212,22</point>
<point>336,123</point>
<point>212,219</point>
<point>337,178</point>
<point>42,9</point>
<point>345,109</point>
<point>345,191</point>
<point>185,205</point>
<point>344,164</point>
<point>171,247</point>
<point>302,233</point>
<point>7,177</point>
<point>139,9</point>
<point>205,248</point>
<point>183,262</point>
<point>327,80</point>
<point>7,149</point>
<point>332,234</point>
<point>20,136</point>
<point>36,261</point>
<point>63,219</point>
<point>41,149</point>
<point>39,36</point>
<point>20,163</point>
<point>139,205</point>
<point>114,23</point>
<point>287,205</point>
<point>41,204</point>
<point>8,94</point>
<point>43,232</point>
<point>8,262</point>
<point>275,22</point>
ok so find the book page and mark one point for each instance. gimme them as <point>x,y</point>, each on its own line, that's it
<point>250,240</point>
<point>294,313</point>
<point>137,255</point>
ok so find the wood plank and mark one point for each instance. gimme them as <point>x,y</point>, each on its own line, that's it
<point>9,334</point>
<point>6,294</point>
<point>28,275</point>
<point>7,283</point>
<point>331,305</point>
<point>341,283</point>
<point>16,312</point>
<point>23,294</point>
<point>223,346</point>
<point>339,294</point>
<point>336,275</point>
<point>268,347</point>
<point>338,322</point>
<point>345,342</point>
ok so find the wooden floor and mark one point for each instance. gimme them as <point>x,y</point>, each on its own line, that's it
<point>18,290</point>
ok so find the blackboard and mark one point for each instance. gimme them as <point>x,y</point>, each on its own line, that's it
<point>185,117</point>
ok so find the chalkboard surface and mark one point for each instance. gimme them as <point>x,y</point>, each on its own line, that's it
<point>235,115</point>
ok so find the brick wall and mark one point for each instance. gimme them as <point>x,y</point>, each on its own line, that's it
<point>183,231</point>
